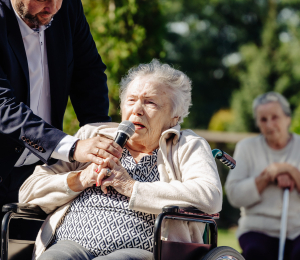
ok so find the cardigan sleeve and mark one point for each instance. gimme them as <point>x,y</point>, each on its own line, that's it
<point>200,185</point>
<point>47,187</point>
<point>240,185</point>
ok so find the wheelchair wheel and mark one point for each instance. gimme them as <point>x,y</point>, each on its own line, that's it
<point>223,253</point>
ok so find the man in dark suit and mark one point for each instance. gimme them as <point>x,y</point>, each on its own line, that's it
<point>46,55</point>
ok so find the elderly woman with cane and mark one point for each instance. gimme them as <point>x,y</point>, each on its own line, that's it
<point>268,163</point>
<point>108,211</point>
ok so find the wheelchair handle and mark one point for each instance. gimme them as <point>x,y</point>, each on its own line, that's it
<point>224,158</point>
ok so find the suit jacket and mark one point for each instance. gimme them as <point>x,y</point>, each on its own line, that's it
<point>75,70</point>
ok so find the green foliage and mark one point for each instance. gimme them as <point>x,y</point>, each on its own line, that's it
<point>232,50</point>
<point>271,64</point>
<point>227,237</point>
<point>127,33</point>
<point>71,124</point>
<point>201,34</point>
<point>295,127</point>
<point>220,120</point>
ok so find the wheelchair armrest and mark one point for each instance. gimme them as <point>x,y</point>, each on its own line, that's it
<point>190,214</point>
<point>25,209</point>
<point>190,210</point>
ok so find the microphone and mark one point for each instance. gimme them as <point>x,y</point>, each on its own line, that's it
<point>125,130</point>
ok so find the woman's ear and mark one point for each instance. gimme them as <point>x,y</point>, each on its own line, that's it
<point>174,121</point>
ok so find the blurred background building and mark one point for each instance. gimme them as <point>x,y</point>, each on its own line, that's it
<point>232,51</point>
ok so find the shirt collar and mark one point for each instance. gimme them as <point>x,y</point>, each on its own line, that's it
<point>173,131</point>
<point>25,29</point>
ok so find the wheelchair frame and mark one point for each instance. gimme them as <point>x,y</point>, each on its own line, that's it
<point>194,252</point>
<point>33,212</point>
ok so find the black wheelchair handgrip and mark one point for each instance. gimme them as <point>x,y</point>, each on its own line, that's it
<point>188,210</point>
<point>24,208</point>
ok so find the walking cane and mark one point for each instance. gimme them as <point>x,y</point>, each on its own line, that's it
<point>283,224</point>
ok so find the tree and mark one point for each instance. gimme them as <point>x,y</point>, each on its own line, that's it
<point>203,40</point>
<point>272,64</point>
<point>127,33</point>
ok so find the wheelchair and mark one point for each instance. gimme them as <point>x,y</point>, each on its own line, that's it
<point>14,249</point>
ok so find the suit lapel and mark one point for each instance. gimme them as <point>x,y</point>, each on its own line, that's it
<point>16,42</point>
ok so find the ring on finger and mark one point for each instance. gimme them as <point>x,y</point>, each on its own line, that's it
<point>98,151</point>
<point>108,172</point>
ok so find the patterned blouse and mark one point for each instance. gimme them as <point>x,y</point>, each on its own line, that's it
<point>102,223</point>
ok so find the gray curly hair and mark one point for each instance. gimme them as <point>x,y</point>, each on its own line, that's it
<point>176,80</point>
<point>271,97</point>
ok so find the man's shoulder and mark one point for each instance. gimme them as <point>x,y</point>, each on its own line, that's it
<point>3,6</point>
<point>5,18</point>
<point>71,5</point>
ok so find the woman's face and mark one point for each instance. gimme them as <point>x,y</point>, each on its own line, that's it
<point>272,121</point>
<point>148,105</point>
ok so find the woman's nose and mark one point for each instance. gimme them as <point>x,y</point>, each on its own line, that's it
<point>138,109</point>
<point>269,124</point>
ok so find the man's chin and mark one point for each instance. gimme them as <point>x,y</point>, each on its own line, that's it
<point>44,20</point>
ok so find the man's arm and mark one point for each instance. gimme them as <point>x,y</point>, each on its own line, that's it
<point>21,125</point>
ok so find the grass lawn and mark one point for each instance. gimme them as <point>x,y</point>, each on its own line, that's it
<point>226,237</point>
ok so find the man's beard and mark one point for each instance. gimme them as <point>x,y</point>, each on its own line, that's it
<point>29,18</point>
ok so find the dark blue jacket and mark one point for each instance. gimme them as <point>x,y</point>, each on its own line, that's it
<point>75,70</point>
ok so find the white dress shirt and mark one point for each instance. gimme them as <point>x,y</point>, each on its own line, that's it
<point>40,100</point>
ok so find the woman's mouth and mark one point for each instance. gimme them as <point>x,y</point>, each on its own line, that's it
<point>138,125</point>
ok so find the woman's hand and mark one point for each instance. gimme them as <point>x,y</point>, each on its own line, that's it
<point>79,181</point>
<point>120,180</point>
<point>285,181</point>
<point>272,173</point>
<point>262,181</point>
<point>274,169</point>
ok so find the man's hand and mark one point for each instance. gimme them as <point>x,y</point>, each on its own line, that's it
<point>96,149</point>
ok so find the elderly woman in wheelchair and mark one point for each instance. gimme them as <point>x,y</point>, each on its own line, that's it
<point>108,211</point>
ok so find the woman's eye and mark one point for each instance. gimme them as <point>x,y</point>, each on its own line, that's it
<point>263,119</point>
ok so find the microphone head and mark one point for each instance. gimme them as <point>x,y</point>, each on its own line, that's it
<point>127,128</point>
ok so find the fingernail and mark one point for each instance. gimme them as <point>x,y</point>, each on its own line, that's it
<point>97,184</point>
<point>96,170</point>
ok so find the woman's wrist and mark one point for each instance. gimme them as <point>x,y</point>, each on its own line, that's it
<point>130,187</point>
<point>262,181</point>
<point>73,181</point>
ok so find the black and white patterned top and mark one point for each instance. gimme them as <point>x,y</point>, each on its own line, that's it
<point>102,223</point>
